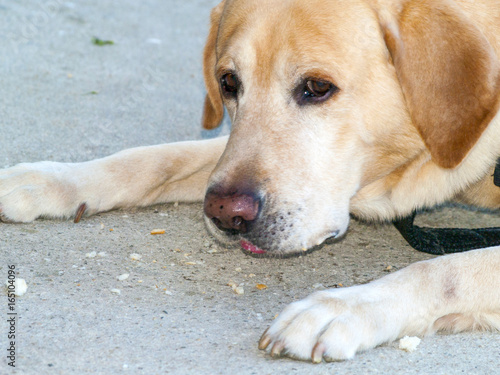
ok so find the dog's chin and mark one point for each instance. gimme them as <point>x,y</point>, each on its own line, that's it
<point>251,246</point>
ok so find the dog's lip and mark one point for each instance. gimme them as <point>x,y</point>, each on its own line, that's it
<point>331,237</point>
<point>248,246</point>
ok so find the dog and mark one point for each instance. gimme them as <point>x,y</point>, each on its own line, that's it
<point>373,108</point>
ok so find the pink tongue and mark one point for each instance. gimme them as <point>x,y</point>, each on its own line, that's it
<point>250,247</point>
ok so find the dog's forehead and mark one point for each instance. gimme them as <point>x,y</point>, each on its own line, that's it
<point>264,33</point>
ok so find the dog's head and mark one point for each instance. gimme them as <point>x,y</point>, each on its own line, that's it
<point>325,98</point>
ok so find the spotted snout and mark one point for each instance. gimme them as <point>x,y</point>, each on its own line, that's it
<point>232,211</point>
<point>263,223</point>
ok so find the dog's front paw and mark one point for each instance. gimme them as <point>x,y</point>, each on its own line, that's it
<point>331,325</point>
<point>28,191</point>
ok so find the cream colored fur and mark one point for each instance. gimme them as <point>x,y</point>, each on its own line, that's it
<point>360,152</point>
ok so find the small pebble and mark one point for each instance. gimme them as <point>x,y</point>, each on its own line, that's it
<point>123,277</point>
<point>135,256</point>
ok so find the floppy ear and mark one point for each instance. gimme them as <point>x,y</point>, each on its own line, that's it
<point>213,110</point>
<point>449,74</point>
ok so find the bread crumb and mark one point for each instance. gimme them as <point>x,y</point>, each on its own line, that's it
<point>135,256</point>
<point>123,277</point>
<point>261,286</point>
<point>115,291</point>
<point>92,254</point>
<point>157,231</point>
<point>238,289</point>
<point>409,344</point>
<point>20,287</point>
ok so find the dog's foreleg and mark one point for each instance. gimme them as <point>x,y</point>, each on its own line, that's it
<point>454,292</point>
<point>131,178</point>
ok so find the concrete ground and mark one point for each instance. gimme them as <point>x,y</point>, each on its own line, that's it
<point>63,98</point>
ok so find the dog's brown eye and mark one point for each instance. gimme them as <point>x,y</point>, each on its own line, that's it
<point>314,91</point>
<point>318,88</point>
<point>230,85</point>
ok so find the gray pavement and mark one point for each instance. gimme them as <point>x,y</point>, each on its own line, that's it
<point>63,98</point>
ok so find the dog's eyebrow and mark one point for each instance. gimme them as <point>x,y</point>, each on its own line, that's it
<point>318,74</point>
<point>224,65</point>
<point>221,70</point>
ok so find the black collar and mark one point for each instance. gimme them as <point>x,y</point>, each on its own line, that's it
<point>440,241</point>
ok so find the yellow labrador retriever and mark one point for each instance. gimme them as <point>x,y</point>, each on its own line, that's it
<point>369,107</point>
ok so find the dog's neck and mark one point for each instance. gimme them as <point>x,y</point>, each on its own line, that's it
<point>422,183</point>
